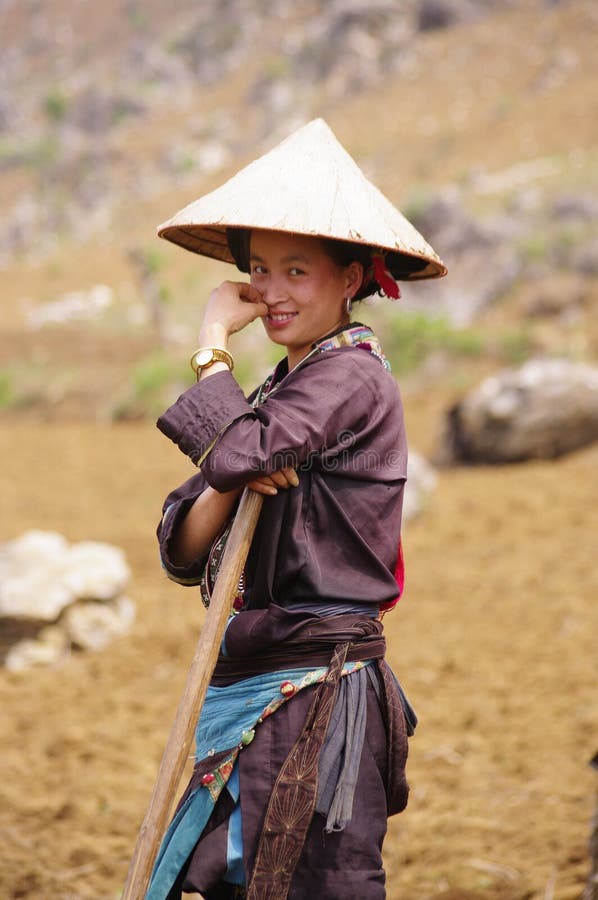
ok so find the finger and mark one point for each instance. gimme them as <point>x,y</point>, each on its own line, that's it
<point>253,300</point>
<point>261,310</point>
<point>260,487</point>
<point>280,480</point>
<point>266,480</point>
<point>249,292</point>
<point>291,476</point>
<point>285,478</point>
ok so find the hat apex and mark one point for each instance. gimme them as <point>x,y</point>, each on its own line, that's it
<point>309,185</point>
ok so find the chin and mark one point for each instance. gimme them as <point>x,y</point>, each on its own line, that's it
<point>273,334</point>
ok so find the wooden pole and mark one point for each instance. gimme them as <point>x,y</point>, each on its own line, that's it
<point>204,661</point>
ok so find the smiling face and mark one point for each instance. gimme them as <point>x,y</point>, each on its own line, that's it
<point>302,286</point>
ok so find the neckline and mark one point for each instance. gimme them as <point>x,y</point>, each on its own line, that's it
<point>283,364</point>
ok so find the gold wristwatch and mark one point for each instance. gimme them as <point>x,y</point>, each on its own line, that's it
<point>207,356</point>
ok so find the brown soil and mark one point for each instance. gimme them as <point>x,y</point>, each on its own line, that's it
<point>494,642</point>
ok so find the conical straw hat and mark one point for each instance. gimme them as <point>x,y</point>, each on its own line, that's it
<point>308,185</point>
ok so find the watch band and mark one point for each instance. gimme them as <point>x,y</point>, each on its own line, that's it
<point>207,356</point>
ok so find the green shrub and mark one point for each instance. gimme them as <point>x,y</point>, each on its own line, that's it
<point>152,259</point>
<point>55,105</point>
<point>414,336</point>
<point>154,383</point>
<point>42,152</point>
<point>277,67</point>
<point>516,346</point>
<point>6,390</point>
<point>418,199</point>
<point>151,375</point>
<point>533,247</point>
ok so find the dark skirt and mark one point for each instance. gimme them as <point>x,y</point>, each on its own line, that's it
<point>333,866</point>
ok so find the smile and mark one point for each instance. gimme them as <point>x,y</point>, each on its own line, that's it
<point>279,318</point>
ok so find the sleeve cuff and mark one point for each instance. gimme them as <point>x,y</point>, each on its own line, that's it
<point>186,575</point>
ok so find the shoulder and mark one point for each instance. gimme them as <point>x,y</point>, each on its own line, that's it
<point>349,367</point>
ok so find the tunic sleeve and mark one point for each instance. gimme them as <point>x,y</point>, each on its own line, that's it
<point>315,410</point>
<point>175,508</point>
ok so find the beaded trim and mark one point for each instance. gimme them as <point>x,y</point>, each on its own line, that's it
<point>357,336</point>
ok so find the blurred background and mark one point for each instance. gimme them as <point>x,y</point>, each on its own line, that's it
<point>479,120</point>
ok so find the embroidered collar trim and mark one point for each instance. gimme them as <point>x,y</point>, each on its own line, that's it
<point>357,335</point>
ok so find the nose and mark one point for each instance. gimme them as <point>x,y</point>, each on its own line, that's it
<point>274,291</point>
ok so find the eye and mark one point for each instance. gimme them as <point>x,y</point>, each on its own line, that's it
<point>296,271</point>
<point>258,270</point>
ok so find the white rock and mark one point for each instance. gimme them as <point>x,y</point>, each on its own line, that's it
<point>95,571</point>
<point>50,647</point>
<point>41,574</point>
<point>31,584</point>
<point>37,594</point>
<point>542,410</point>
<point>126,609</point>
<point>421,481</point>
<point>91,626</point>
<point>31,545</point>
<point>73,305</point>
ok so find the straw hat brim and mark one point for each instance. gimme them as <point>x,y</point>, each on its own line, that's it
<point>307,185</point>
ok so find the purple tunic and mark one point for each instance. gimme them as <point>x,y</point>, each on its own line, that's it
<point>338,419</point>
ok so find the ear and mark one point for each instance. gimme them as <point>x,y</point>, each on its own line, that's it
<point>354,277</point>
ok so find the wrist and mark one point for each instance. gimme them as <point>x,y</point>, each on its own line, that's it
<point>212,370</point>
<point>213,334</point>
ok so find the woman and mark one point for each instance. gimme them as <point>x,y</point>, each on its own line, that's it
<point>289,798</point>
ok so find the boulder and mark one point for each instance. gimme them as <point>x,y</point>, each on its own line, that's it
<point>560,295</point>
<point>585,258</point>
<point>543,409</point>
<point>49,648</point>
<point>95,110</point>
<point>96,571</point>
<point>435,14</point>
<point>31,577</point>
<point>55,596</point>
<point>421,481</point>
<point>572,206</point>
<point>91,626</point>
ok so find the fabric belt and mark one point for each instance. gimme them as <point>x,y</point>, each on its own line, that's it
<point>260,641</point>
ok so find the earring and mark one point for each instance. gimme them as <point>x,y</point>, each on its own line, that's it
<point>348,305</point>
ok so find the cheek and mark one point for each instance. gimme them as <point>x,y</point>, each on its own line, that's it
<point>332,287</point>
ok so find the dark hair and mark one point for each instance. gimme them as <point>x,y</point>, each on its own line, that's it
<point>343,253</point>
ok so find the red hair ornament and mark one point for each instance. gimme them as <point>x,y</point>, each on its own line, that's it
<point>386,282</point>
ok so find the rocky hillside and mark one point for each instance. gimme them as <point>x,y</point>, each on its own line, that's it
<point>478,118</point>
<point>127,97</point>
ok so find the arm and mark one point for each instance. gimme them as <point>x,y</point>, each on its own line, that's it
<point>317,408</point>
<point>194,534</point>
<point>195,514</point>
<point>274,437</point>
<point>194,525</point>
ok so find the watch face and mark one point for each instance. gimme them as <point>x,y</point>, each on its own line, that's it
<point>203,357</point>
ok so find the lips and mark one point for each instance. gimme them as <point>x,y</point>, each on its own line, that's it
<point>279,319</point>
